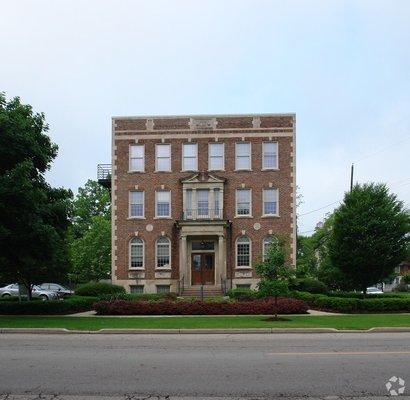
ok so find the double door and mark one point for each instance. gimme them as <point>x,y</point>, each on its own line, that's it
<point>203,269</point>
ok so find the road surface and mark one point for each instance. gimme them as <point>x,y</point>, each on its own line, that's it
<point>288,365</point>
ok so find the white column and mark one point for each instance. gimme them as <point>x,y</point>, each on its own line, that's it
<point>221,256</point>
<point>194,204</point>
<point>184,203</point>
<point>211,203</point>
<point>183,269</point>
<point>221,202</point>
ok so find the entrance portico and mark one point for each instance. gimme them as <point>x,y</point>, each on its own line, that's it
<point>202,248</point>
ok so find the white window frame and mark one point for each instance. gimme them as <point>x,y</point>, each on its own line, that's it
<point>265,240</point>
<point>156,204</point>
<point>183,156</point>
<point>168,267</point>
<point>250,253</point>
<point>236,156</point>
<point>277,156</point>
<point>210,156</point>
<point>130,257</point>
<point>169,157</point>
<point>263,202</point>
<point>250,204</point>
<point>130,157</point>
<point>143,204</point>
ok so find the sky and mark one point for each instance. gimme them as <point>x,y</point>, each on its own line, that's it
<point>342,66</point>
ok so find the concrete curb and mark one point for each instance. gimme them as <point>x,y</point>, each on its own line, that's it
<point>200,331</point>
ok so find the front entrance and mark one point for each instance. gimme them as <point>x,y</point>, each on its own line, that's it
<point>203,269</point>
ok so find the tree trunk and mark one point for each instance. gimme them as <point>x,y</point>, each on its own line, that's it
<point>276,307</point>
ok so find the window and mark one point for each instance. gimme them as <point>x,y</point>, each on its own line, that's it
<point>163,253</point>
<point>138,289</point>
<point>267,241</point>
<point>163,206</point>
<point>243,252</point>
<point>202,202</point>
<point>163,157</point>
<point>217,210</point>
<point>243,155</point>
<point>188,199</point>
<point>243,202</point>
<point>163,289</point>
<point>203,245</point>
<point>243,286</point>
<point>270,201</point>
<point>216,156</point>
<point>189,157</point>
<point>270,155</point>
<point>136,204</point>
<point>136,253</point>
<point>137,157</point>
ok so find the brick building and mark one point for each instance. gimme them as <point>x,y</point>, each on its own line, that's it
<point>197,199</point>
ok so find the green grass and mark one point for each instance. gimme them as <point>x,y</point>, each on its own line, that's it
<point>363,321</point>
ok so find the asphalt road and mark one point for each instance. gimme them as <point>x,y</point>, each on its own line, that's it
<point>291,365</point>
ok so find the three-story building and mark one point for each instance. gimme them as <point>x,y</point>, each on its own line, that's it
<point>196,200</point>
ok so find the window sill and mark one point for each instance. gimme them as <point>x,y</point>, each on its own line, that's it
<point>270,216</point>
<point>216,170</point>
<point>136,269</point>
<point>242,170</point>
<point>158,171</point>
<point>243,216</point>
<point>248,268</point>
<point>162,269</point>
<point>270,169</point>
<point>131,218</point>
<point>163,218</point>
<point>136,172</point>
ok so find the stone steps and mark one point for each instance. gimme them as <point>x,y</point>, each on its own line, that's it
<point>196,292</point>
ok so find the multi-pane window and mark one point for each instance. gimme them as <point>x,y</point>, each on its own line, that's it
<point>243,155</point>
<point>270,201</point>
<point>188,199</point>
<point>216,156</point>
<point>163,203</point>
<point>243,252</point>
<point>137,289</point>
<point>136,253</point>
<point>161,289</point>
<point>270,155</point>
<point>189,157</point>
<point>243,201</point>
<point>163,253</point>
<point>202,202</point>
<point>137,203</point>
<point>137,157</point>
<point>163,157</point>
<point>267,242</point>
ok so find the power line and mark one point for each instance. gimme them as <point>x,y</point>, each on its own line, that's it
<point>318,209</point>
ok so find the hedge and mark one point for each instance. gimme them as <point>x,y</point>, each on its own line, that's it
<point>98,289</point>
<point>355,305</point>
<point>198,307</point>
<point>242,294</point>
<point>38,307</point>
<point>309,285</point>
<point>140,296</point>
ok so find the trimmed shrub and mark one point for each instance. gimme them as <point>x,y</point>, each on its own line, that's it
<point>197,307</point>
<point>309,285</point>
<point>98,289</point>
<point>406,278</point>
<point>242,294</point>
<point>355,305</point>
<point>139,296</point>
<point>38,307</point>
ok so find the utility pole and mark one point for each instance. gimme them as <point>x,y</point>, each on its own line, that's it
<point>351,177</point>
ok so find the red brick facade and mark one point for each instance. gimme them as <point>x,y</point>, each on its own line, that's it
<point>149,131</point>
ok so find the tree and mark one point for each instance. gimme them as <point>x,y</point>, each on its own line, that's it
<point>274,272</point>
<point>369,236</point>
<point>33,215</point>
<point>90,233</point>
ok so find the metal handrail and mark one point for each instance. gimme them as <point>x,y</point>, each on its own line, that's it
<point>202,213</point>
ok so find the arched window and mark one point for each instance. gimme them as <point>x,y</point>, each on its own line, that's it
<point>163,253</point>
<point>136,253</point>
<point>267,241</point>
<point>243,252</point>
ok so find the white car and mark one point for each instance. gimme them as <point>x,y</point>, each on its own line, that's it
<point>37,292</point>
<point>373,290</point>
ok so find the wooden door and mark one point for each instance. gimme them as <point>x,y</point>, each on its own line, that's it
<point>203,269</point>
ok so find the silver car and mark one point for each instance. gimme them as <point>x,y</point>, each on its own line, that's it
<point>59,289</point>
<point>37,292</point>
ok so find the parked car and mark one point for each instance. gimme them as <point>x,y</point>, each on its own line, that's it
<point>373,290</point>
<point>37,292</point>
<point>59,289</point>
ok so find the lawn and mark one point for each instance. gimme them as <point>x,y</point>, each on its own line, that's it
<point>357,321</point>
